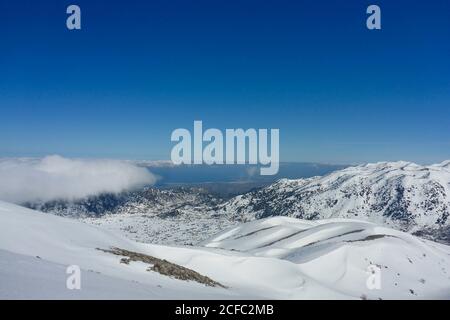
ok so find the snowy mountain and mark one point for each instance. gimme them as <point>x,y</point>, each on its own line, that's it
<point>161,202</point>
<point>280,258</point>
<point>404,195</point>
<point>182,215</point>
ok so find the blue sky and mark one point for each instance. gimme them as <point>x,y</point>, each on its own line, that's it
<point>137,70</point>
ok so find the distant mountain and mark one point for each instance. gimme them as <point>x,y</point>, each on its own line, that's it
<point>181,186</point>
<point>161,202</point>
<point>402,194</point>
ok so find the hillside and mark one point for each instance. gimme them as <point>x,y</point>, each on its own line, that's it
<point>404,195</point>
<point>280,258</point>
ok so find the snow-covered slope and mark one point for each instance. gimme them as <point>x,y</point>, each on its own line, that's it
<point>281,258</point>
<point>36,248</point>
<point>400,194</point>
<point>188,227</point>
<point>340,253</point>
<point>181,215</point>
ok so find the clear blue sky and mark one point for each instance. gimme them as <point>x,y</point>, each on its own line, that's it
<point>338,92</point>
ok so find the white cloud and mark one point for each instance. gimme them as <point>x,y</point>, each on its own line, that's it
<point>55,177</point>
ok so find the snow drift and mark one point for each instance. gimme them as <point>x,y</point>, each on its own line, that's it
<point>341,254</point>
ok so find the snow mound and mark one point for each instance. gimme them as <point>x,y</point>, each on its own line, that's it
<point>340,253</point>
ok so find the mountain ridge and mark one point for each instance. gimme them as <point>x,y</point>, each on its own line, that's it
<point>401,194</point>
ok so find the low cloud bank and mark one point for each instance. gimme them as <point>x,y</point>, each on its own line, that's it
<point>55,177</point>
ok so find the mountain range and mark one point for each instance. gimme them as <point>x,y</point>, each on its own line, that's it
<point>402,195</point>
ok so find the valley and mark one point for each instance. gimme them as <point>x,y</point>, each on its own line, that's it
<point>401,195</point>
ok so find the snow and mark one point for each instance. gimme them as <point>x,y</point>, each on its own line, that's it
<point>25,277</point>
<point>403,195</point>
<point>61,242</point>
<point>279,258</point>
<point>338,252</point>
<point>190,227</point>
